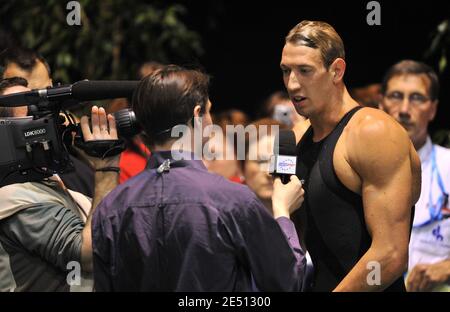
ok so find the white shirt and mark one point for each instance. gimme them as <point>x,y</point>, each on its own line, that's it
<point>431,243</point>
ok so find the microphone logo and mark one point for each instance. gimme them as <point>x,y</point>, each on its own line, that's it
<point>281,164</point>
<point>286,164</point>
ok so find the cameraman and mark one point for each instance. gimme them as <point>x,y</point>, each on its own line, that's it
<point>30,65</point>
<point>177,227</point>
<point>45,228</point>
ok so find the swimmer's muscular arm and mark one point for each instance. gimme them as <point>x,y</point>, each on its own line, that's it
<point>379,151</point>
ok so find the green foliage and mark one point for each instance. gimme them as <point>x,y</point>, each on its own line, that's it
<point>114,37</point>
<point>439,47</point>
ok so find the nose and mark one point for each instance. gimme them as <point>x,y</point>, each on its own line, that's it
<point>405,106</point>
<point>292,84</point>
<point>404,112</point>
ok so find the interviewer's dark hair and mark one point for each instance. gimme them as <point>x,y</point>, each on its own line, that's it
<point>167,98</point>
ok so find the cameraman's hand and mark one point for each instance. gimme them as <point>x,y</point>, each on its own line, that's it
<point>286,198</point>
<point>103,128</point>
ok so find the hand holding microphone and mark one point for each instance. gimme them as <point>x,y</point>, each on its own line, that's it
<point>286,198</point>
<point>288,192</point>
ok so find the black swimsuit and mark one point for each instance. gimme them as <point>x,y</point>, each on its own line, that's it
<point>335,230</point>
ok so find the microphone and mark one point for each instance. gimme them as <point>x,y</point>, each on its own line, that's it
<point>98,90</point>
<point>283,162</point>
<point>85,90</point>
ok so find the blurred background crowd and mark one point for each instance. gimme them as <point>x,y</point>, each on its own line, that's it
<point>238,43</point>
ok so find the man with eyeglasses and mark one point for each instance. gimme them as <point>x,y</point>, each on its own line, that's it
<point>410,95</point>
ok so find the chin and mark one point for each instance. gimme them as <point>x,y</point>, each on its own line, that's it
<point>300,111</point>
<point>411,133</point>
<point>303,111</point>
<point>304,115</point>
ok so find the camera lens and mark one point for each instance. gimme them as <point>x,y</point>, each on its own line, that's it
<point>126,123</point>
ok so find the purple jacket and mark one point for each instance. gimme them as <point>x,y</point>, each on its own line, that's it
<point>189,230</point>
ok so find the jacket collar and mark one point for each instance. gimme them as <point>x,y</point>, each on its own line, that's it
<point>177,159</point>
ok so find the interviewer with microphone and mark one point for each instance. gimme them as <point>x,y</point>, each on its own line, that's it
<point>177,227</point>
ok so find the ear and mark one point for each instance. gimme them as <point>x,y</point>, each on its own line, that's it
<point>433,110</point>
<point>337,68</point>
<point>197,111</point>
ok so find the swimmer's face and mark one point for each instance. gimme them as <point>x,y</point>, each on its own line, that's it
<point>308,82</point>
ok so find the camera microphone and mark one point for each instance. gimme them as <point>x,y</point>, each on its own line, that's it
<point>85,90</point>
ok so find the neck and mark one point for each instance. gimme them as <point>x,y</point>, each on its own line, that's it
<point>420,143</point>
<point>168,146</point>
<point>179,145</point>
<point>325,121</point>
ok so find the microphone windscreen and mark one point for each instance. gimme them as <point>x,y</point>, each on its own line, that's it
<point>91,90</point>
<point>285,143</point>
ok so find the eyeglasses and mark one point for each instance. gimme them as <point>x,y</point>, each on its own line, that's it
<point>415,99</point>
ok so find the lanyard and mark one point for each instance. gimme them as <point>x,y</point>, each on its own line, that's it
<point>435,209</point>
